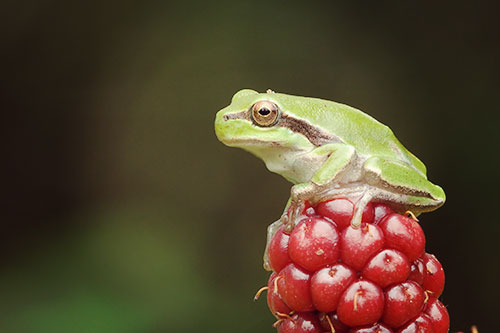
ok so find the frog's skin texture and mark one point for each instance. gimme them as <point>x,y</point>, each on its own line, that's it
<point>326,150</point>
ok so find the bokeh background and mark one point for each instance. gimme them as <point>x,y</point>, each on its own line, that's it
<point>123,213</point>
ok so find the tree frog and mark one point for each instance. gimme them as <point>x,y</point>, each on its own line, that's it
<point>327,150</point>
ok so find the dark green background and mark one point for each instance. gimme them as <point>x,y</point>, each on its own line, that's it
<point>123,213</point>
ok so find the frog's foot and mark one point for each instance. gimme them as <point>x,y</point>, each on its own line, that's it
<point>305,191</point>
<point>360,207</point>
<point>299,195</point>
<point>290,218</point>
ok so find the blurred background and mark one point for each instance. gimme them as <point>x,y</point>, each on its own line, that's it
<point>123,213</point>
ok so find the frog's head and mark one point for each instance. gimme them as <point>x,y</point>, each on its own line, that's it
<point>261,123</point>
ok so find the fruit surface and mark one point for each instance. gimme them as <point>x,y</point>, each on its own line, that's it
<point>329,276</point>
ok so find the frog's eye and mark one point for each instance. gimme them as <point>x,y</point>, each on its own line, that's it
<point>265,113</point>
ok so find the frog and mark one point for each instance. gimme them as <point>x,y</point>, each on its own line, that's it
<point>326,150</point>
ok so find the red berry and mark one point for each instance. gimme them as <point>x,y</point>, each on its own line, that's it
<point>387,267</point>
<point>332,319</point>
<point>402,302</point>
<point>438,315</point>
<point>338,210</point>
<point>278,250</point>
<point>362,303</point>
<point>433,275</point>
<point>304,322</point>
<point>368,213</point>
<point>375,328</point>
<point>274,301</point>
<point>381,211</point>
<point>328,284</point>
<point>341,211</point>
<point>314,243</point>
<point>357,245</point>
<point>293,287</point>
<point>421,324</point>
<point>417,271</point>
<point>403,234</point>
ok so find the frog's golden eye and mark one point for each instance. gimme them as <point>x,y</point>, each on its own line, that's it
<point>265,113</point>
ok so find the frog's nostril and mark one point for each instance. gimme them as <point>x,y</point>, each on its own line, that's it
<point>225,118</point>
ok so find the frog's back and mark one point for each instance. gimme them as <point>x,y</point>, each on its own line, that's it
<point>351,126</point>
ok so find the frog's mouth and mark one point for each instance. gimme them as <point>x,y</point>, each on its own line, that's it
<point>247,142</point>
<point>243,134</point>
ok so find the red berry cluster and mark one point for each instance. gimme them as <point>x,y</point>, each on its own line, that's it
<point>329,276</point>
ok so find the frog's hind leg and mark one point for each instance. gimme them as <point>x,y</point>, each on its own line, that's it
<point>404,185</point>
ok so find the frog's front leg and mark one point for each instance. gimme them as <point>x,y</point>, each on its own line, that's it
<point>339,161</point>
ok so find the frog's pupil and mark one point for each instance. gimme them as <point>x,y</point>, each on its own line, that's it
<point>264,111</point>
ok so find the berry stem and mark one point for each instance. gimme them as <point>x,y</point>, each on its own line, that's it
<point>356,300</point>
<point>284,316</point>
<point>276,283</point>
<point>278,322</point>
<point>411,215</point>
<point>259,292</point>
<point>330,323</point>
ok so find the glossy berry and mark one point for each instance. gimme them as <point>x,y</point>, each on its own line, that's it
<point>357,245</point>
<point>438,315</point>
<point>338,210</point>
<point>274,301</point>
<point>433,275</point>
<point>403,234</point>
<point>361,303</point>
<point>417,271</point>
<point>278,251</point>
<point>387,267</point>
<point>294,288</point>
<point>375,328</point>
<point>368,213</point>
<point>327,319</point>
<point>341,211</point>
<point>421,324</point>
<point>314,243</point>
<point>328,284</point>
<point>380,211</point>
<point>300,323</point>
<point>402,302</point>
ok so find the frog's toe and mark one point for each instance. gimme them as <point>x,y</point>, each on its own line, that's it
<point>292,216</point>
<point>303,192</point>
<point>359,208</point>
